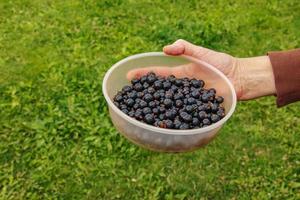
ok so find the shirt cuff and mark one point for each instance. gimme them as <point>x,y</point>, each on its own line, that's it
<point>286,68</point>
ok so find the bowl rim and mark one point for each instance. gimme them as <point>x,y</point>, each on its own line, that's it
<point>162,130</point>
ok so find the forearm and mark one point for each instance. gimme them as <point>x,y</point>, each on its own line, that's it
<point>256,77</point>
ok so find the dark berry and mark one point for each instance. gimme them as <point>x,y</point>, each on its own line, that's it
<point>151,90</point>
<point>219,99</point>
<point>214,107</point>
<point>196,83</point>
<point>174,110</point>
<point>162,116</point>
<point>171,78</point>
<point>117,104</point>
<point>147,110</point>
<point>220,113</point>
<point>208,115</point>
<point>155,111</point>
<point>158,84</point>
<point>139,94</point>
<point>168,103</point>
<point>136,106</point>
<point>186,84</point>
<point>143,104</point>
<point>211,96</point>
<point>179,90</point>
<point>185,101</point>
<point>143,79</point>
<point>152,104</point>
<point>201,107</point>
<point>162,95</point>
<point>193,89</point>
<point>148,97</point>
<point>156,95</point>
<point>126,88</point>
<point>174,88</point>
<point>138,100</point>
<point>157,102</point>
<point>125,97</point>
<point>186,117</point>
<point>138,114</point>
<point>178,82</point>
<point>169,123</point>
<point>196,114</point>
<point>156,123</point>
<point>166,85</point>
<point>186,90</point>
<point>151,78</point>
<point>118,98</point>
<point>202,115</point>
<point>184,126</point>
<point>132,95</point>
<point>194,107</point>
<point>178,103</point>
<point>196,94</point>
<point>145,85</point>
<point>205,97</point>
<point>125,111</point>
<point>206,121</point>
<point>138,87</point>
<point>195,121</point>
<point>202,83</point>
<point>135,81</point>
<point>149,118</point>
<point>191,100</point>
<point>214,118</point>
<point>178,96</point>
<point>123,106</point>
<point>212,91</point>
<point>222,108</point>
<point>189,108</point>
<point>199,103</point>
<point>169,95</point>
<point>207,107</point>
<point>130,102</point>
<point>131,113</point>
<point>162,109</point>
<point>151,73</point>
<point>177,124</point>
<point>170,114</point>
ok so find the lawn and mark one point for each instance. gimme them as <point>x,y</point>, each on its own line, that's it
<point>56,137</point>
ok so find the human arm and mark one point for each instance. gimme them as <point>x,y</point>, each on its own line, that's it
<point>251,77</point>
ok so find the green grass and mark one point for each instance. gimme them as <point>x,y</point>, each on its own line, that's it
<point>56,138</point>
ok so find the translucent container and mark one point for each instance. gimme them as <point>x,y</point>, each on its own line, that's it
<point>159,139</point>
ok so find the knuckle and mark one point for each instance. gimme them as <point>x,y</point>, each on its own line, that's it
<point>180,41</point>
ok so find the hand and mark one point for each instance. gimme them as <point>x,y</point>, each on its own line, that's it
<point>251,77</point>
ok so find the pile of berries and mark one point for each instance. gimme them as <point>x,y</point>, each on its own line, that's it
<point>169,102</point>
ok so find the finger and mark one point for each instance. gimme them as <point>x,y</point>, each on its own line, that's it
<point>174,49</point>
<point>161,71</point>
<point>182,47</point>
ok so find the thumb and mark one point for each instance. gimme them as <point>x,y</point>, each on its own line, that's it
<point>182,47</point>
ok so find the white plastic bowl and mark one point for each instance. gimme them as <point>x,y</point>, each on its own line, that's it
<point>159,139</point>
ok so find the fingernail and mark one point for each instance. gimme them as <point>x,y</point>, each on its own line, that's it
<point>168,47</point>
